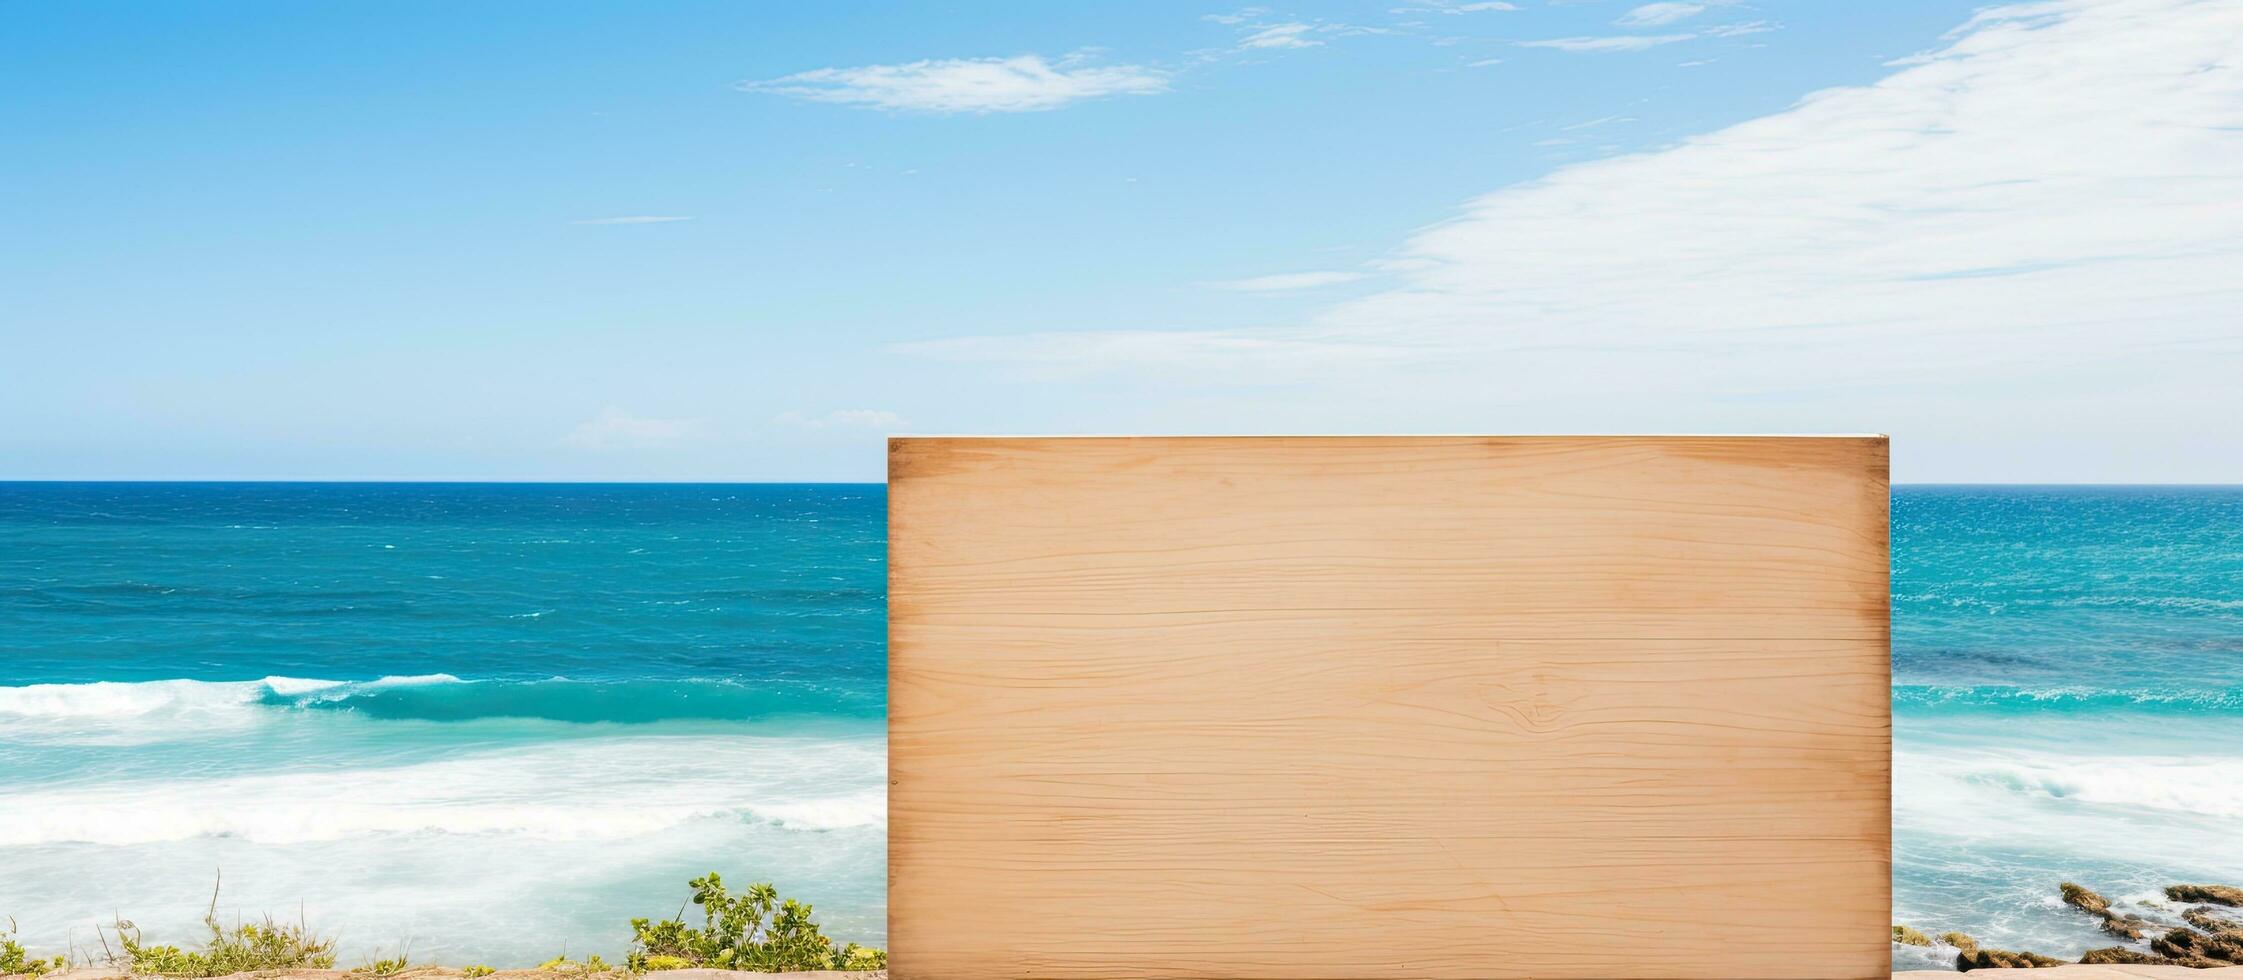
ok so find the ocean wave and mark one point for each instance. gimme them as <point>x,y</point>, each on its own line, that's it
<point>602,789</point>
<point>2206,786</point>
<point>445,698</point>
<point>128,712</point>
<point>2008,698</point>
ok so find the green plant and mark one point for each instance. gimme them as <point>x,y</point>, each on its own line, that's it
<point>473,970</point>
<point>387,967</point>
<point>268,945</point>
<point>13,960</point>
<point>562,964</point>
<point>855,957</point>
<point>755,931</point>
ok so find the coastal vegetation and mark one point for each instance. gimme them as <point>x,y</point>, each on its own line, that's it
<point>266,945</point>
<point>13,962</point>
<point>2195,926</point>
<point>388,966</point>
<point>755,930</point>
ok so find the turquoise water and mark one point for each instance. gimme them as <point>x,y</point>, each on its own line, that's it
<point>482,722</point>
<point>2067,703</point>
<point>486,722</point>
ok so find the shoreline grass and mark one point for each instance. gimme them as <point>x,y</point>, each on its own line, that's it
<point>754,931</point>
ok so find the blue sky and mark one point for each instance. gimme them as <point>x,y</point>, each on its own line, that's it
<point>564,240</point>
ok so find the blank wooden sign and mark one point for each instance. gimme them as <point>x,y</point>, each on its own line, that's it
<point>1388,707</point>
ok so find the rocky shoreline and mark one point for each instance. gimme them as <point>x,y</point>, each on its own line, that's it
<point>2197,927</point>
<point>443,973</point>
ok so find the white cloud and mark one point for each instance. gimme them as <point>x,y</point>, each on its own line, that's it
<point>1268,356</point>
<point>1288,280</point>
<point>1599,121</point>
<point>635,219</point>
<point>1262,35</point>
<point>1025,83</point>
<point>1659,14</point>
<point>1740,29</point>
<point>1451,7</point>
<point>614,429</point>
<point>2022,253</point>
<point>1281,36</point>
<point>843,418</point>
<point>1599,45</point>
<point>1237,17</point>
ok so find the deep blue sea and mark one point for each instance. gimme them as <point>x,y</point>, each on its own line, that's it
<point>484,723</point>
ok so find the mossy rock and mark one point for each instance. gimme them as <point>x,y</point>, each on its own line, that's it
<point>2126,926</point>
<point>1910,937</point>
<point>2208,894</point>
<point>2002,959</point>
<point>1959,940</point>
<point>2211,923</point>
<point>2080,897</point>
<point>2188,944</point>
<point>2119,954</point>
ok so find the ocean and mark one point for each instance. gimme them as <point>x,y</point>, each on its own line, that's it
<point>475,723</point>
<point>492,722</point>
<point>2067,704</point>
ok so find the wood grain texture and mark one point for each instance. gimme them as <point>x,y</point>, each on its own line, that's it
<point>1388,707</point>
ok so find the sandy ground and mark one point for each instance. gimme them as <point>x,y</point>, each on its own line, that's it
<point>441,973</point>
<point>2073,972</point>
<point>2077,972</point>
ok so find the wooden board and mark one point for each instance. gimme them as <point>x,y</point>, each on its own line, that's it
<point>1388,707</point>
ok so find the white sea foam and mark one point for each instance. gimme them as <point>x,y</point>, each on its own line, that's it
<point>594,789</point>
<point>289,686</point>
<point>184,710</point>
<point>116,713</point>
<point>2175,811</point>
<point>137,699</point>
<point>139,712</point>
<point>2208,787</point>
<point>109,699</point>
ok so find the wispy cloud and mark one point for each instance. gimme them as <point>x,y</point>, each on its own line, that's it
<point>1293,35</point>
<point>1599,121</point>
<point>1272,358</point>
<point>1238,16</point>
<point>1287,280</point>
<point>635,219</point>
<point>1025,83</point>
<point>1452,7</point>
<point>1603,45</point>
<point>1660,14</point>
<point>2019,246</point>
<point>843,418</point>
<point>616,429</point>
<point>1257,31</point>
<point>1740,29</point>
